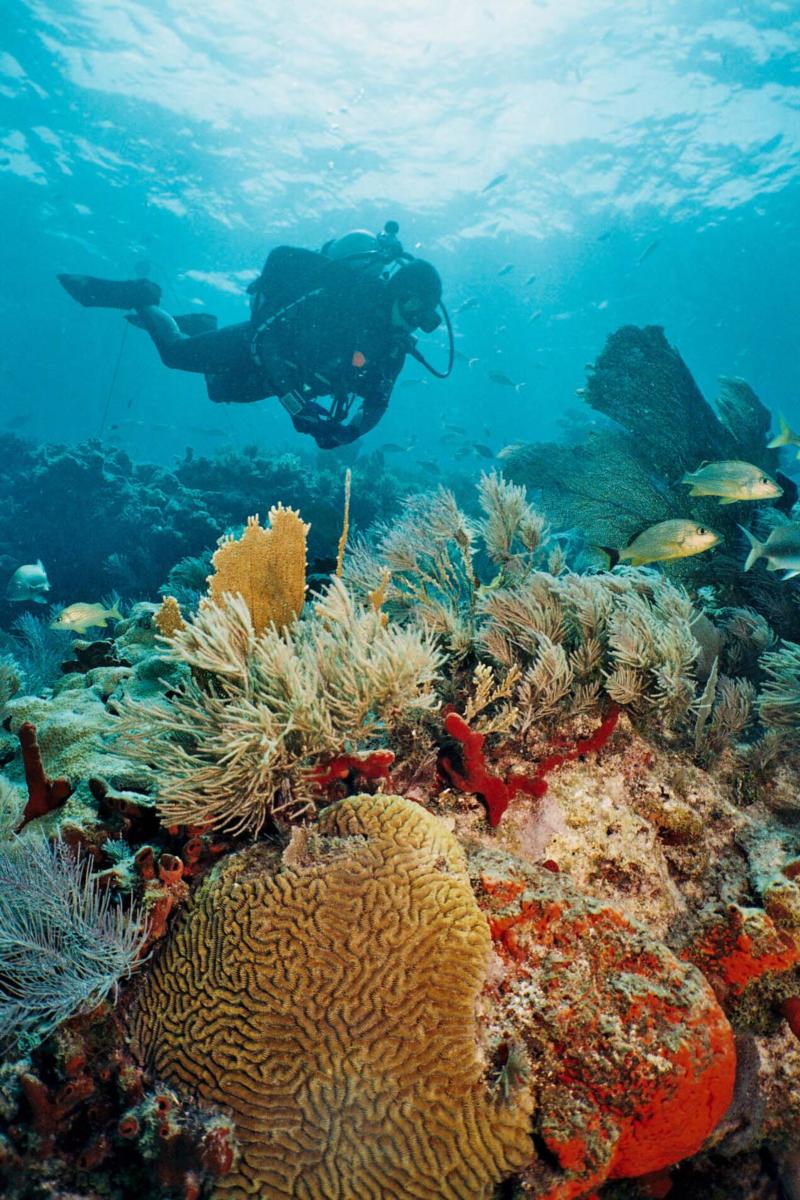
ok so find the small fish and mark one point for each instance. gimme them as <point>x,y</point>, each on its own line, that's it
<point>484,451</point>
<point>77,618</point>
<point>781,549</point>
<point>28,582</point>
<point>429,466</point>
<point>472,362</point>
<point>648,250</point>
<point>531,279</point>
<point>453,428</point>
<point>462,451</point>
<point>393,448</point>
<point>505,270</point>
<point>786,437</point>
<point>732,481</point>
<point>409,383</point>
<point>502,380</point>
<point>493,183</point>
<point>534,316</point>
<point>466,305</point>
<point>510,449</point>
<point>664,541</point>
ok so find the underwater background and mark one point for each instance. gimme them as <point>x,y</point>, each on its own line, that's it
<point>420,817</point>
<point>650,154</point>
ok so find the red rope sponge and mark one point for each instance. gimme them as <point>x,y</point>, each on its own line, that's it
<point>498,793</point>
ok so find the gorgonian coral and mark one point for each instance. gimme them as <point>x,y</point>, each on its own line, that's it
<point>239,739</point>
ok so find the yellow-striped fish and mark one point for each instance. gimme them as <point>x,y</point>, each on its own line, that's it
<point>664,541</point>
<point>77,618</point>
<point>732,481</point>
<point>786,437</point>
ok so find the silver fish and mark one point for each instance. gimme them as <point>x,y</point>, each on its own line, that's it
<point>781,549</point>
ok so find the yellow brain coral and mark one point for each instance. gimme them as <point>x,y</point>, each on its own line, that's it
<point>265,566</point>
<point>328,1000</point>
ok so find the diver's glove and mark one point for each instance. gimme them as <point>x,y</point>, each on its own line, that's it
<point>333,435</point>
<point>314,419</point>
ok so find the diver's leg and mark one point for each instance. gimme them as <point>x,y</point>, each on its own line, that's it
<point>92,292</point>
<point>226,349</point>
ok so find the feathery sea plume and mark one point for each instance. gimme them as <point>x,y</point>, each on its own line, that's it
<point>779,698</point>
<point>65,942</point>
<point>429,555</point>
<point>239,739</point>
<point>42,650</point>
<point>577,639</point>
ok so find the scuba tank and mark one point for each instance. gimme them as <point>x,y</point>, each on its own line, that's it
<point>368,253</point>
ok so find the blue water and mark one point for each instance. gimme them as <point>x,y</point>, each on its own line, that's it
<point>650,151</point>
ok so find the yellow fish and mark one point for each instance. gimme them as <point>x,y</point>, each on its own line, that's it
<point>786,437</point>
<point>732,481</point>
<point>677,538</point>
<point>77,618</point>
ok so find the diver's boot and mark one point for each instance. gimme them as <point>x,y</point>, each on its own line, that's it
<point>110,293</point>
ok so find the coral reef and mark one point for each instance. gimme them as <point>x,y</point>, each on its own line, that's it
<point>648,1073</point>
<point>472,875</point>
<point>142,519</point>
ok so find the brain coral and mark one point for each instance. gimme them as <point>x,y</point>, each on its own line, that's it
<point>329,1000</point>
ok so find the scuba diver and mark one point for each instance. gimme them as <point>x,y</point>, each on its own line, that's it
<point>335,323</point>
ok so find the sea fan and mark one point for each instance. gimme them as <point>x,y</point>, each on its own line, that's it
<point>65,942</point>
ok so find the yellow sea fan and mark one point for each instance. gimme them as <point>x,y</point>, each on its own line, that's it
<point>267,567</point>
<point>169,619</point>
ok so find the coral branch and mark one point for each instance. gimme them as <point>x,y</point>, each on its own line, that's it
<point>498,793</point>
<point>43,794</point>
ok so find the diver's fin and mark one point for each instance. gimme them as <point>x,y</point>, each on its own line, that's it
<point>789,575</point>
<point>110,293</point>
<point>611,554</point>
<point>756,548</point>
<point>194,323</point>
<point>784,437</point>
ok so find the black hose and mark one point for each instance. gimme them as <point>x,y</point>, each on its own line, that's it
<point>417,354</point>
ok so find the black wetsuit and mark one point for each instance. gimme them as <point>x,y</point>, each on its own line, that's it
<point>320,328</point>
